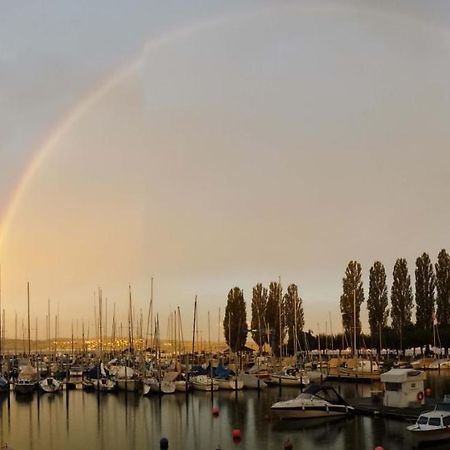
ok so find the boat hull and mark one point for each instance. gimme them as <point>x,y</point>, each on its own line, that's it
<point>24,388</point>
<point>420,436</point>
<point>308,412</point>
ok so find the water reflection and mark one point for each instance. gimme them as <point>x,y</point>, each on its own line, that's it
<point>79,420</point>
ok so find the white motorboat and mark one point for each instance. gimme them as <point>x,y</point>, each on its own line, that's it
<point>433,426</point>
<point>50,385</point>
<point>75,377</point>
<point>27,380</point>
<point>203,383</point>
<point>315,402</point>
<point>24,386</point>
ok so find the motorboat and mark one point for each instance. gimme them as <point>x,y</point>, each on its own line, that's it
<point>27,380</point>
<point>50,385</point>
<point>75,377</point>
<point>24,386</point>
<point>317,401</point>
<point>433,426</point>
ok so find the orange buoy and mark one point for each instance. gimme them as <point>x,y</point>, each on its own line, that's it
<point>428,392</point>
<point>215,411</point>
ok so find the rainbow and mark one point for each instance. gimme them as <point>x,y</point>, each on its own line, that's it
<point>96,94</point>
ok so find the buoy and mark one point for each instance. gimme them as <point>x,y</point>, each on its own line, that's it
<point>288,444</point>
<point>215,411</point>
<point>236,434</point>
<point>428,392</point>
<point>379,448</point>
<point>420,396</point>
<point>164,443</point>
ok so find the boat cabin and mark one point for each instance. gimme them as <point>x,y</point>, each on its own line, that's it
<point>403,388</point>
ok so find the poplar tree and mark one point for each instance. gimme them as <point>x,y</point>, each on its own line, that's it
<point>294,317</point>
<point>235,320</point>
<point>258,324</point>
<point>443,288</point>
<point>377,301</point>
<point>401,298</point>
<point>425,282</point>
<point>274,313</point>
<point>351,299</point>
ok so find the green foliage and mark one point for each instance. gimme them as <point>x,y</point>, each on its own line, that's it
<point>352,298</point>
<point>443,288</point>
<point>235,320</point>
<point>377,301</point>
<point>401,298</point>
<point>294,317</point>
<point>274,314</point>
<point>258,324</point>
<point>425,282</point>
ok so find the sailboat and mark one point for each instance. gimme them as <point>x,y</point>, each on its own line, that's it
<point>28,376</point>
<point>50,385</point>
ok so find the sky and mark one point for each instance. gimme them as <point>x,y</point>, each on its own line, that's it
<point>217,144</point>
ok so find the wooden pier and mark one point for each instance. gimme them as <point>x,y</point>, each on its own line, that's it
<point>368,407</point>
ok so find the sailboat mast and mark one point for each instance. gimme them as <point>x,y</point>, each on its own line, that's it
<point>193,328</point>
<point>1,340</point>
<point>354,323</point>
<point>29,337</point>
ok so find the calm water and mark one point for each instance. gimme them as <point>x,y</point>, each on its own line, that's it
<point>119,421</point>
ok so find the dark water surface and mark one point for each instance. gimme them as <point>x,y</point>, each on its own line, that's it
<point>118,421</point>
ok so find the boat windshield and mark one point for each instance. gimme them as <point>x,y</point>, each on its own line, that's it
<point>435,421</point>
<point>422,420</point>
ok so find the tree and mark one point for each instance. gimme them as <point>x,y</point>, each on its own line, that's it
<point>258,325</point>
<point>235,320</point>
<point>401,298</point>
<point>443,288</point>
<point>274,319</point>
<point>377,301</point>
<point>425,282</point>
<point>294,317</point>
<point>351,299</point>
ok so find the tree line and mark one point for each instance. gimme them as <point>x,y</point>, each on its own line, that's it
<point>431,300</point>
<point>277,318</point>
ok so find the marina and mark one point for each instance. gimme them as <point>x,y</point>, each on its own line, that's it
<point>129,418</point>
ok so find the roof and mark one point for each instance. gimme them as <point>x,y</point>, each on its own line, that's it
<point>402,376</point>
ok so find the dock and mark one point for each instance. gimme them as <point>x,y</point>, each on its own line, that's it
<point>368,407</point>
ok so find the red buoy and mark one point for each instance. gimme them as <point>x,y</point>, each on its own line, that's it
<point>379,448</point>
<point>236,434</point>
<point>215,411</point>
<point>428,392</point>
